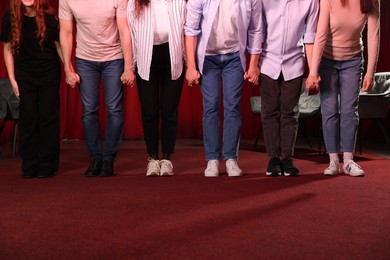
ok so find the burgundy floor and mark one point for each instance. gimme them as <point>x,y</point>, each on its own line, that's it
<point>189,216</point>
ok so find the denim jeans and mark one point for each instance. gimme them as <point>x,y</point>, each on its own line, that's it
<point>90,73</point>
<point>339,93</point>
<point>228,68</point>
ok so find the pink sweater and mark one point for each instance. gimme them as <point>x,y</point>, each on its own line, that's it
<point>339,34</point>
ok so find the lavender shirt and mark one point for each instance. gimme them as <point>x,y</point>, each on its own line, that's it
<point>287,26</point>
<point>200,17</point>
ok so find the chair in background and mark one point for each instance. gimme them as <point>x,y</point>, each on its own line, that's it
<point>9,110</point>
<point>374,105</point>
<point>308,105</point>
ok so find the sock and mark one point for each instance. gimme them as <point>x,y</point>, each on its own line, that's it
<point>347,156</point>
<point>154,156</point>
<point>333,157</point>
<point>166,156</point>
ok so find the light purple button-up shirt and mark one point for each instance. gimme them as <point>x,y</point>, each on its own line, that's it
<point>287,26</point>
<point>200,17</point>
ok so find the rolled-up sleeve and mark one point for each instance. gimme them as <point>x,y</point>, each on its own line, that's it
<point>311,24</point>
<point>193,16</point>
<point>255,36</point>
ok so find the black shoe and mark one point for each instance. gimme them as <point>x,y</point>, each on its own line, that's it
<point>274,168</point>
<point>29,174</point>
<point>94,168</point>
<point>107,169</point>
<point>46,174</point>
<point>288,167</point>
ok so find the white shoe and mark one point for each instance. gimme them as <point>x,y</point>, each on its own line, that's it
<point>166,168</point>
<point>232,168</point>
<point>353,169</point>
<point>333,168</point>
<point>153,168</point>
<point>212,169</point>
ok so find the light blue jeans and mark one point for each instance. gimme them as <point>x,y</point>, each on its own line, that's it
<point>339,93</point>
<point>90,73</point>
<point>228,69</point>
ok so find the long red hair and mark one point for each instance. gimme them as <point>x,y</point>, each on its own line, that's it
<point>366,6</point>
<point>18,10</point>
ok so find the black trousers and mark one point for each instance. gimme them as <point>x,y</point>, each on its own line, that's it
<point>39,126</point>
<point>160,97</point>
<point>279,114</point>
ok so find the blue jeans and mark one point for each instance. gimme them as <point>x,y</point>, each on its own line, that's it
<point>227,68</point>
<point>339,93</point>
<point>90,73</point>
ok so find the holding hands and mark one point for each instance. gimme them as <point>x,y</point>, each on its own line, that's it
<point>72,79</point>
<point>252,75</point>
<point>312,84</point>
<point>192,77</point>
<point>128,78</point>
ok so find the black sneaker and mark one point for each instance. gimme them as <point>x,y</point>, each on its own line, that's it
<point>94,168</point>
<point>274,168</point>
<point>288,167</point>
<point>107,169</point>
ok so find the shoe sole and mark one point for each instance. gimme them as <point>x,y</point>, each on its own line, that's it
<point>273,173</point>
<point>152,174</point>
<point>355,175</point>
<point>166,174</point>
<point>288,174</point>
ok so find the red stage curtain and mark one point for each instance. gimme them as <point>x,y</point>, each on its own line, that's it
<point>190,112</point>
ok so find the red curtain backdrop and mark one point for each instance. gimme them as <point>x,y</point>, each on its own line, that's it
<point>190,110</point>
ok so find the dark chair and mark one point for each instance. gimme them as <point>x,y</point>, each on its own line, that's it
<point>9,110</point>
<point>308,106</point>
<point>374,105</point>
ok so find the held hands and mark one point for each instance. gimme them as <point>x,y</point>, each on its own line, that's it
<point>312,84</point>
<point>368,82</point>
<point>192,77</point>
<point>128,78</point>
<point>72,79</point>
<point>252,75</point>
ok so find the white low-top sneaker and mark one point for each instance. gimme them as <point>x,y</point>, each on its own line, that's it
<point>153,168</point>
<point>166,168</point>
<point>212,169</point>
<point>333,168</point>
<point>232,168</point>
<point>353,169</point>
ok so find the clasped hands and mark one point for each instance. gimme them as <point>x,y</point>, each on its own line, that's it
<point>312,83</point>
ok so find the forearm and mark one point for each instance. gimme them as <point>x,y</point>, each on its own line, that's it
<point>190,47</point>
<point>9,61</point>
<point>66,45</point>
<point>309,54</point>
<point>125,37</point>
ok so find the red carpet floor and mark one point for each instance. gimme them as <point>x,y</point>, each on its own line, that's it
<point>188,216</point>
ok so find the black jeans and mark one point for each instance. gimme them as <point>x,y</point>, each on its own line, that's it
<point>160,94</point>
<point>39,121</point>
<point>279,114</point>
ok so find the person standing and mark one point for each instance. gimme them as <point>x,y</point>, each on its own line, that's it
<point>32,57</point>
<point>218,35</point>
<point>103,50</point>
<point>288,34</point>
<point>337,69</point>
<point>158,48</point>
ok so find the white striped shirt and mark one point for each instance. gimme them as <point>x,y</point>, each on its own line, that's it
<point>142,32</point>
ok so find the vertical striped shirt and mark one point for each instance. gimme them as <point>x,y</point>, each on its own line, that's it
<point>142,33</point>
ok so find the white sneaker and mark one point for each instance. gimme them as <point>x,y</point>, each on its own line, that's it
<point>353,169</point>
<point>153,168</point>
<point>166,168</point>
<point>232,168</point>
<point>333,168</point>
<point>212,169</point>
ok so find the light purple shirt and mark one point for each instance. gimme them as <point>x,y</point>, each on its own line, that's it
<point>200,17</point>
<point>287,26</point>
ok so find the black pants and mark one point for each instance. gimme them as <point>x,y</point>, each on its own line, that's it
<point>39,121</point>
<point>160,94</point>
<point>279,114</point>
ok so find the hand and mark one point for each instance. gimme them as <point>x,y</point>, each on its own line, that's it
<point>252,75</point>
<point>72,79</point>
<point>192,77</point>
<point>367,85</point>
<point>128,78</point>
<point>15,88</point>
<point>312,83</point>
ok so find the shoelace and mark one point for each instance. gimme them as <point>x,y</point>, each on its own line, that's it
<point>353,166</point>
<point>166,163</point>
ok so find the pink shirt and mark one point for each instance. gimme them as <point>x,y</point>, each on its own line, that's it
<point>97,35</point>
<point>339,34</point>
